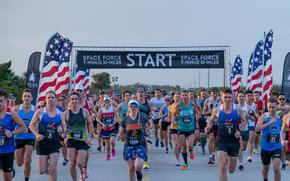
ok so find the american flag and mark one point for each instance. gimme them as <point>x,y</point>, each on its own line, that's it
<point>249,72</point>
<point>257,68</point>
<point>237,73</point>
<point>82,77</point>
<point>267,81</point>
<point>55,69</point>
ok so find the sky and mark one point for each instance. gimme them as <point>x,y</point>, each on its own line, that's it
<point>27,25</point>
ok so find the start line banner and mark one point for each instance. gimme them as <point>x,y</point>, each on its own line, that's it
<point>96,59</point>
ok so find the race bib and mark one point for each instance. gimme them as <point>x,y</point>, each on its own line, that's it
<point>50,132</point>
<point>251,123</point>
<point>133,141</point>
<point>186,119</point>
<point>77,134</point>
<point>273,138</point>
<point>2,140</point>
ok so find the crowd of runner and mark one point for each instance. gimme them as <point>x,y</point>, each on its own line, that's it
<point>228,124</point>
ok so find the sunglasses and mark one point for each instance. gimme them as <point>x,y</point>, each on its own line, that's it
<point>133,106</point>
<point>167,100</point>
<point>282,99</point>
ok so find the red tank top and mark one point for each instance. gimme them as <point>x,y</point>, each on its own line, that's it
<point>86,106</point>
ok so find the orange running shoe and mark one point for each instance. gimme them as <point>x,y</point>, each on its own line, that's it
<point>184,167</point>
<point>191,155</point>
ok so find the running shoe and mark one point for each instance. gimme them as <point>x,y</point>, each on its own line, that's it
<point>184,167</point>
<point>170,145</point>
<point>107,158</point>
<point>99,148</point>
<point>177,164</point>
<point>166,150</point>
<point>211,161</point>
<point>113,152</point>
<point>283,166</point>
<point>65,162</point>
<point>149,141</point>
<point>157,142</point>
<point>145,165</point>
<point>191,155</point>
<point>87,173</point>
<point>241,167</point>
<point>162,144</point>
<point>249,159</point>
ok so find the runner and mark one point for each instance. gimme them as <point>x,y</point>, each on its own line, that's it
<point>252,133</point>
<point>78,139</point>
<point>88,105</point>
<point>156,103</point>
<point>187,126</point>
<point>260,110</point>
<point>132,130</point>
<point>282,110</point>
<point>165,122</point>
<point>286,136</point>
<point>108,117</point>
<point>202,119</point>
<point>46,125</point>
<point>228,133</point>
<point>144,109</point>
<point>174,127</point>
<point>209,105</point>
<point>270,125</point>
<point>24,142</point>
<point>7,132</point>
<point>244,132</point>
<point>12,102</point>
<point>97,129</point>
<point>62,106</point>
<point>122,108</point>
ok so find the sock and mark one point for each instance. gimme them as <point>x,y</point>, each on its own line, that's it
<point>190,151</point>
<point>26,178</point>
<point>184,155</point>
<point>203,141</point>
<point>265,179</point>
<point>139,175</point>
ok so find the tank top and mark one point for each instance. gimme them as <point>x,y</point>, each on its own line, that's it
<point>86,106</point>
<point>48,125</point>
<point>6,144</point>
<point>123,111</point>
<point>172,111</point>
<point>157,104</point>
<point>251,122</point>
<point>186,118</point>
<point>108,117</point>
<point>271,134</point>
<point>164,113</point>
<point>245,110</point>
<point>77,126</point>
<point>135,130</point>
<point>26,119</point>
<point>228,124</point>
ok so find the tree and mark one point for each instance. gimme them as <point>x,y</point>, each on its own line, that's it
<point>11,82</point>
<point>101,81</point>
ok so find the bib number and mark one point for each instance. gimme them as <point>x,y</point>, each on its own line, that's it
<point>77,134</point>
<point>133,141</point>
<point>2,140</point>
<point>186,119</point>
<point>273,138</point>
<point>50,132</point>
<point>251,123</point>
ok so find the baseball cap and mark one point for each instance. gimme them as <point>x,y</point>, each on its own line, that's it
<point>133,103</point>
<point>12,96</point>
<point>141,88</point>
<point>107,98</point>
<point>79,87</point>
<point>167,97</point>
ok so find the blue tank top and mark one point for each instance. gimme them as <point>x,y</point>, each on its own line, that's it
<point>6,144</point>
<point>26,119</point>
<point>228,124</point>
<point>164,113</point>
<point>48,125</point>
<point>123,111</point>
<point>271,135</point>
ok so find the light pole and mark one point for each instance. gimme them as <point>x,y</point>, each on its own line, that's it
<point>115,80</point>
